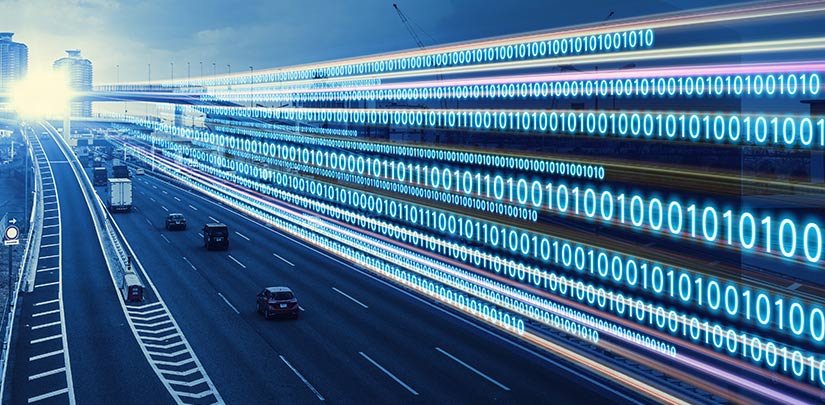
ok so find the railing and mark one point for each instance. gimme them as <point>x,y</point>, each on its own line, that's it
<point>111,240</point>
<point>25,273</point>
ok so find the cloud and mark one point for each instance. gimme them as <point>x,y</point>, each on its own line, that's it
<point>216,36</point>
<point>269,34</point>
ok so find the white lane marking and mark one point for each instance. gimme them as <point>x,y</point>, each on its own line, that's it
<point>52,394</point>
<point>132,308</point>
<point>46,269</point>
<point>200,235</point>
<point>155,187</point>
<point>387,372</point>
<point>236,261</point>
<point>49,245</point>
<point>165,238</point>
<point>148,221</point>
<point>51,226</point>
<point>46,325</point>
<point>46,302</point>
<point>51,235</point>
<point>192,207</point>
<point>190,263</point>
<point>44,355</point>
<point>794,286</point>
<point>164,192</point>
<point>55,311</point>
<point>301,308</point>
<point>422,300</point>
<point>47,284</point>
<point>51,217</point>
<point>176,198</point>
<point>241,235</point>
<point>164,208</point>
<point>285,260</point>
<point>213,219</point>
<point>155,331</point>
<point>47,373</point>
<point>473,369</point>
<point>311,388</point>
<point>414,296</point>
<point>153,200</point>
<point>48,257</point>
<point>45,339</point>
<point>143,320</point>
<point>347,295</point>
<point>230,304</point>
<point>64,341</point>
<point>166,347</point>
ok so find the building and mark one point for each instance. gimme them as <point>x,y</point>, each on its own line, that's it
<point>14,61</point>
<point>79,72</point>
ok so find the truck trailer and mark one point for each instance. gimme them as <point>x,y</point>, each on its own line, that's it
<point>120,195</point>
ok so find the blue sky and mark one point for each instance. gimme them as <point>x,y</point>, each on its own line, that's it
<point>270,33</point>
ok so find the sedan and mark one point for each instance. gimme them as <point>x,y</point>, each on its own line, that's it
<point>175,221</point>
<point>277,301</point>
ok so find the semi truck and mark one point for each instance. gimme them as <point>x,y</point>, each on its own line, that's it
<point>100,177</point>
<point>120,195</point>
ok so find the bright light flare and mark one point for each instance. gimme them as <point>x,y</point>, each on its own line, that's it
<point>41,94</point>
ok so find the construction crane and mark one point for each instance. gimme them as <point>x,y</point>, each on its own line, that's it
<point>409,26</point>
<point>417,39</point>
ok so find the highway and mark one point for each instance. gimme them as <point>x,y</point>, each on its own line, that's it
<point>71,342</point>
<point>358,338</point>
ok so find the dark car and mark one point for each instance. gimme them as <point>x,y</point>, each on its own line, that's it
<point>175,221</point>
<point>216,236</point>
<point>277,301</point>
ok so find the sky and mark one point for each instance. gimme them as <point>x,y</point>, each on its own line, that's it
<point>275,33</point>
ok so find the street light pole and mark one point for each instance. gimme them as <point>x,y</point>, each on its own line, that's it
<point>201,68</point>
<point>214,69</point>
<point>26,173</point>
<point>149,84</point>
<point>228,68</point>
<point>188,73</point>
<point>171,70</point>
<point>251,101</point>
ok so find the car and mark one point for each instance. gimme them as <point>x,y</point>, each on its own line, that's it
<point>277,301</point>
<point>175,221</point>
<point>140,172</point>
<point>216,236</point>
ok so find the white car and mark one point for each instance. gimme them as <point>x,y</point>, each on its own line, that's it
<point>140,172</point>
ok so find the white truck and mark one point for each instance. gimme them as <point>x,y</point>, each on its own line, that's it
<point>120,195</point>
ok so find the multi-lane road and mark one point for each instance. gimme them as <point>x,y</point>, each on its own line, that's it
<point>358,338</point>
<point>71,343</point>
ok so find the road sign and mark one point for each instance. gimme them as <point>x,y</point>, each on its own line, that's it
<point>11,235</point>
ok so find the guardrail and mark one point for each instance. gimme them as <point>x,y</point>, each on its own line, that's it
<point>27,263</point>
<point>111,239</point>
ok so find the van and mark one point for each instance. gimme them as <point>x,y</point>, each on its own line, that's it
<point>216,236</point>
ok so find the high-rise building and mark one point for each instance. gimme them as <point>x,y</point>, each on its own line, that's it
<point>79,73</point>
<point>14,61</point>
